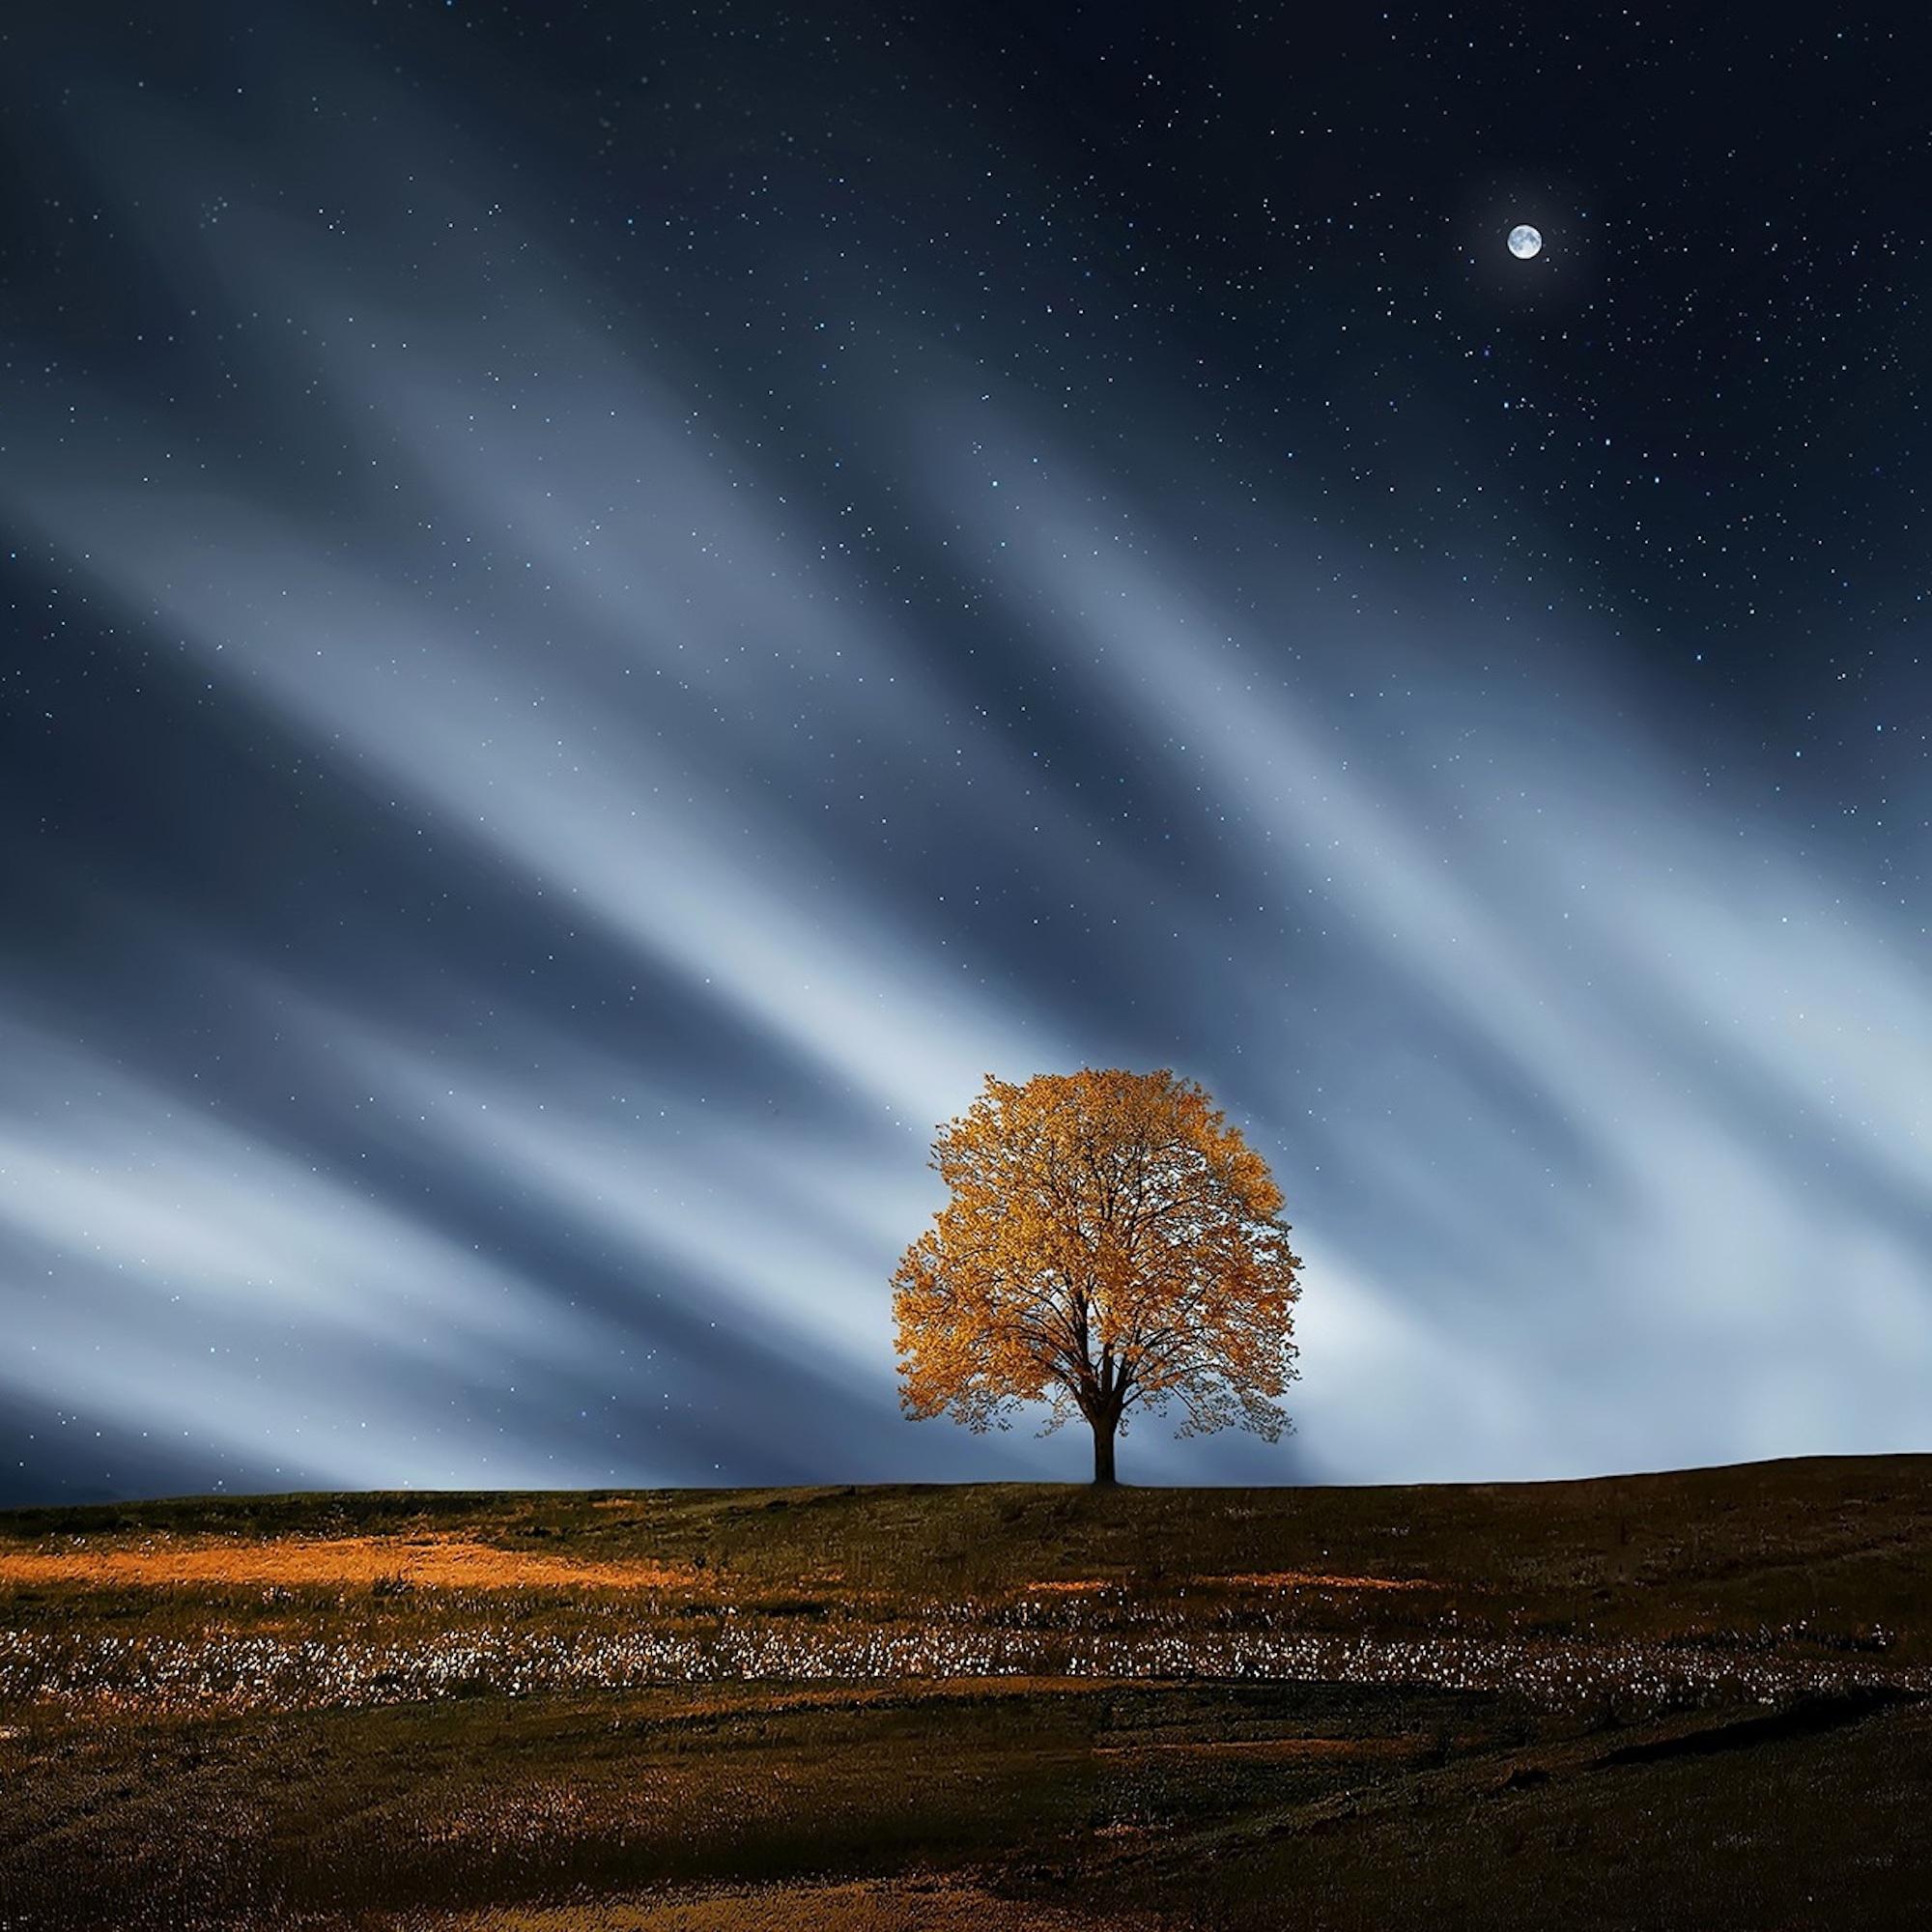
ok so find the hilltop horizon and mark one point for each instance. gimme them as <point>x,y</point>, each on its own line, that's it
<point>833,1486</point>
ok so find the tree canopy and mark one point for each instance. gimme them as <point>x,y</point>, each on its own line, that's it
<point>1110,1244</point>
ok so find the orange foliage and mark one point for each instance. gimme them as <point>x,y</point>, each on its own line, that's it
<point>1110,1243</point>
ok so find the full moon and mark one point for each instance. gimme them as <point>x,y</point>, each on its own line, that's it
<point>1525,242</point>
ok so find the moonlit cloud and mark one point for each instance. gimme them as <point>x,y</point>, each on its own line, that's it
<point>583,766</point>
<point>1706,1073</point>
<point>166,1265</point>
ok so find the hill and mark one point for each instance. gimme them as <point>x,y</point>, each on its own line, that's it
<point>1691,1696</point>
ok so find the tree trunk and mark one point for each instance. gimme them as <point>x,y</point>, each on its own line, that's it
<point>1103,1447</point>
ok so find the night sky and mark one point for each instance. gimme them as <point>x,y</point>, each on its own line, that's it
<point>603,609</point>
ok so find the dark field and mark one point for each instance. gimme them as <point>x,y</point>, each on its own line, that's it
<point>1683,1700</point>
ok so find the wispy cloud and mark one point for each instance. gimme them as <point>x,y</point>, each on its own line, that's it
<point>817,788</point>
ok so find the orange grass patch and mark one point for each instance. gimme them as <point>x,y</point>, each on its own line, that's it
<point>1308,1579</point>
<point>1272,1747</point>
<point>761,1697</point>
<point>922,1905</point>
<point>428,1564</point>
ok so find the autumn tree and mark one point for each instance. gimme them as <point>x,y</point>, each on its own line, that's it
<point>1110,1244</point>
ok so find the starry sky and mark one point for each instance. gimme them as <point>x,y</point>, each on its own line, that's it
<point>602,608</point>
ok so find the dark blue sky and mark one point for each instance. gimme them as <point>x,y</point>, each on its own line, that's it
<point>602,612</point>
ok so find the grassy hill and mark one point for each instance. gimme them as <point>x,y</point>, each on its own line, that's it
<point>1689,1697</point>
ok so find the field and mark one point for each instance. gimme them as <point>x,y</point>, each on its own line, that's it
<point>1690,1699</point>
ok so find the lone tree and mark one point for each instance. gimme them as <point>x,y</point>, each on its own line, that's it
<point>1111,1243</point>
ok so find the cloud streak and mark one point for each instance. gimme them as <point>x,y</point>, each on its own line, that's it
<point>696,766</point>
